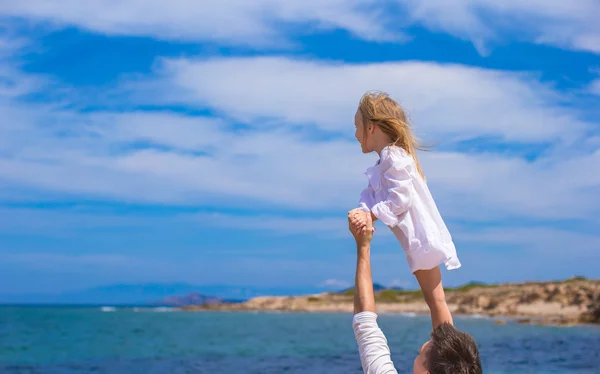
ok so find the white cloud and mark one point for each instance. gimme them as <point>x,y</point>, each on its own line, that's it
<point>594,87</point>
<point>446,102</point>
<point>486,186</point>
<point>97,154</point>
<point>336,284</point>
<point>279,169</point>
<point>199,160</point>
<point>161,128</point>
<point>13,83</point>
<point>569,25</point>
<point>238,22</point>
<point>268,23</point>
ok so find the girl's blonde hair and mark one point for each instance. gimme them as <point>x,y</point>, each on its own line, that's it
<point>380,109</point>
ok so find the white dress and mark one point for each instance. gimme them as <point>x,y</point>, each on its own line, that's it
<point>399,197</point>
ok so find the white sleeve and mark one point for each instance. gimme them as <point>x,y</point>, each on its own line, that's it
<point>400,191</point>
<point>367,199</point>
<point>372,345</point>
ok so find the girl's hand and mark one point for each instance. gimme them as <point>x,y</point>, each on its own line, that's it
<point>358,219</point>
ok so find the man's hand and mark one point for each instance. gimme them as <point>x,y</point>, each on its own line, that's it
<point>358,219</point>
<point>360,225</point>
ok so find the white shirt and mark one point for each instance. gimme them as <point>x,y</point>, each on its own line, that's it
<point>373,348</point>
<point>399,197</point>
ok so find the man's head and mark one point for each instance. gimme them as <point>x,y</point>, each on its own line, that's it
<point>448,352</point>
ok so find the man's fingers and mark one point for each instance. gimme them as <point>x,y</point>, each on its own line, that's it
<point>359,222</point>
<point>354,212</point>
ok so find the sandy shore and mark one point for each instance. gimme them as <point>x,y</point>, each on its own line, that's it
<point>574,301</point>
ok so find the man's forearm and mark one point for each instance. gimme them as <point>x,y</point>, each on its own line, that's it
<point>364,299</point>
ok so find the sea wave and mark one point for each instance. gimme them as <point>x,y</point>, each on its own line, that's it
<point>160,309</point>
<point>408,314</point>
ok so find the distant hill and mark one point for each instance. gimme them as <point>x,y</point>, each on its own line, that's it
<point>193,299</point>
<point>376,288</point>
<point>118,294</point>
<point>153,293</point>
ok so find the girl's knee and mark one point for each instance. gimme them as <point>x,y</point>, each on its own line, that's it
<point>434,299</point>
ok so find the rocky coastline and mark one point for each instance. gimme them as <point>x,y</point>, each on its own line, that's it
<point>569,302</point>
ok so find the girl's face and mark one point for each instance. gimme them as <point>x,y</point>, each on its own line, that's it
<point>363,136</point>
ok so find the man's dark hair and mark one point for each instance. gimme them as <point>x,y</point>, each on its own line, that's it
<point>452,352</point>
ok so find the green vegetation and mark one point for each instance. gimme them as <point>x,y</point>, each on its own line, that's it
<point>470,286</point>
<point>390,295</point>
<point>465,287</point>
<point>313,299</point>
<point>399,295</point>
<point>386,295</point>
<point>576,278</point>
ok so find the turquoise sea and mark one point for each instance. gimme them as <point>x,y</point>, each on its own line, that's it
<point>90,340</point>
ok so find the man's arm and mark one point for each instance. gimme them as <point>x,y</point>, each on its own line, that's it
<point>372,344</point>
<point>364,298</point>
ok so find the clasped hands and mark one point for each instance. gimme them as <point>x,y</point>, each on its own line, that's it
<point>360,224</point>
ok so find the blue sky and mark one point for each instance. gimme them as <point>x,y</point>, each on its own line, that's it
<point>213,143</point>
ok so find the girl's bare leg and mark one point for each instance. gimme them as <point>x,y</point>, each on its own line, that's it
<point>430,282</point>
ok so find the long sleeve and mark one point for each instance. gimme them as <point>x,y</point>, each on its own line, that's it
<point>374,352</point>
<point>367,199</point>
<point>399,192</point>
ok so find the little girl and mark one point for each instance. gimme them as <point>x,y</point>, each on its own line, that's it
<point>398,196</point>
